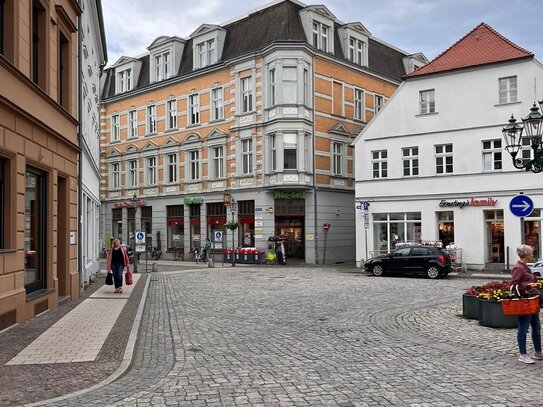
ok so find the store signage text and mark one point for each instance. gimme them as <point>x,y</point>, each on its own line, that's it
<point>468,202</point>
<point>193,200</point>
<point>289,195</point>
<point>128,204</point>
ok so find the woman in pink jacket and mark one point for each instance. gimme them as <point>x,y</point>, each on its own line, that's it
<point>117,260</point>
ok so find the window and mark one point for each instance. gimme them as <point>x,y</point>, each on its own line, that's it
<point>356,51</point>
<point>289,85</point>
<point>273,96</point>
<point>115,176</point>
<point>379,163</point>
<point>527,152</point>
<point>306,87</point>
<point>36,230</point>
<point>218,162</point>
<point>151,170</point>
<point>337,158</point>
<point>508,89</point>
<point>320,36</point>
<point>444,159</point>
<point>171,170</point>
<point>151,119</point>
<point>378,103</point>
<point>391,228</point>
<point>427,101</point>
<point>273,152</point>
<point>39,45</point>
<point>410,160</point>
<point>194,165</point>
<point>124,81</point>
<point>172,114</point>
<point>162,66</point>
<point>246,156</point>
<point>194,109</point>
<point>115,132</point>
<point>246,95</point>
<point>206,53</point>
<point>290,150</point>
<point>133,173</point>
<point>174,220</point>
<point>64,70</point>
<point>492,155</point>
<point>133,123</point>
<point>217,108</point>
<point>3,205</point>
<point>359,104</point>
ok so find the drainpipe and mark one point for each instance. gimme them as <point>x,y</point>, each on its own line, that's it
<point>315,225</point>
<point>80,161</point>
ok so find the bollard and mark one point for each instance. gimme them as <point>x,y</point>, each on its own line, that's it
<point>155,267</point>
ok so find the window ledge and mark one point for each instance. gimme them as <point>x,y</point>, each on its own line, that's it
<point>426,114</point>
<point>132,138</point>
<point>114,141</point>
<point>193,125</point>
<point>507,104</point>
<point>216,120</point>
<point>151,134</point>
<point>6,251</point>
<point>171,130</point>
<point>39,293</point>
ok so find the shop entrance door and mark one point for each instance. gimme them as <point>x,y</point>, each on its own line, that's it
<point>495,242</point>
<point>292,230</point>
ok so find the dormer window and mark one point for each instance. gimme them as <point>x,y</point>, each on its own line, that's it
<point>124,81</point>
<point>206,53</point>
<point>357,51</point>
<point>321,35</point>
<point>162,66</point>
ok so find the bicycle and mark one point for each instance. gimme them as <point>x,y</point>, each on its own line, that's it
<point>155,253</point>
<point>178,254</point>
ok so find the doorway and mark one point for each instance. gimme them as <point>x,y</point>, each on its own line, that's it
<point>494,237</point>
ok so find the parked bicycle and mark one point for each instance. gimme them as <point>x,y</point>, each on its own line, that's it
<point>178,254</point>
<point>155,253</point>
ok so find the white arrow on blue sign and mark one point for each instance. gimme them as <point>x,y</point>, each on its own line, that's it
<point>521,206</point>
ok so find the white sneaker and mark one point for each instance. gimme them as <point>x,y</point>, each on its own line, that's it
<point>526,359</point>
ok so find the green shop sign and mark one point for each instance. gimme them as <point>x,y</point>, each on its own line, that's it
<point>193,200</point>
<point>289,195</point>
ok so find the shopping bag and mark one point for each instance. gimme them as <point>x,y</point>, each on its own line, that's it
<point>521,306</point>
<point>128,277</point>
<point>109,279</point>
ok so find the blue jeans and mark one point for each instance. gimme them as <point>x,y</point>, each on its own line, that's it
<point>117,269</point>
<point>523,323</point>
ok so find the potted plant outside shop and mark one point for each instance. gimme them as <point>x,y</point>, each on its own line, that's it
<point>470,299</point>
<point>490,309</point>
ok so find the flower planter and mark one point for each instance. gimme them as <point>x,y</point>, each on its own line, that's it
<point>470,306</point>
<point>491,315</point>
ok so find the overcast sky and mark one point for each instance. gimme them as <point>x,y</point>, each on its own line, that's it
<point>427,26</point>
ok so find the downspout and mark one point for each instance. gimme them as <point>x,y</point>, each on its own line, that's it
<point>80,161</point>
<point>315,226</point>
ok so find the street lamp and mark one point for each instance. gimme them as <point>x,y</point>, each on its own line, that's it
<point>134,202</point>
<point>233,206</point>
<point>531,126</point>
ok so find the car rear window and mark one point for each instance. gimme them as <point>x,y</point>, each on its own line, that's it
<point>421,251</point>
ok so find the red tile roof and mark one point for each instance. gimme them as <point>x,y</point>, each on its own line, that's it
<point>483,45</point>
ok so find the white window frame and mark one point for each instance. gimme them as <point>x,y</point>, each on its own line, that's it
<point>194,109</point>
<point>508,89</point>
<point>321,36</point>
<point>132,173</point>
<point>410,156</point>
<point>162,63</point>
<point>378,104</point>
<point>171,113</point>
<point>246,156</point>
<point>273,87</point>
<point>206,54</point>
<point>444,158</point>
<point>427,101</point>
<point>305,80</point>
<point>359,108</point>
<point>273,152</point>
<point>290,147</point>
<point>217,103</point>
<point>246,94</point>
<point>193,158</point>
<point>151,119</point>
<point>379,164</point>
<point>115,128</point>
<point>133,123</point>
<point>217,160</point>
<point>115,175</point>
<point>492,155</point>
<point>172,168</point>
<point>289,85</point>
<point>338,155</point>
<point>124,80</point>
<point>151,170</point>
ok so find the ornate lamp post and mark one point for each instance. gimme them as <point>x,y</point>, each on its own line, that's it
<point>532,126</point>
<point>233,206</point>
<point>134,201</point>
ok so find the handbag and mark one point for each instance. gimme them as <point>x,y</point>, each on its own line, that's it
<point>109,279</point>
<point>521,306</point>
<point>128,277</point>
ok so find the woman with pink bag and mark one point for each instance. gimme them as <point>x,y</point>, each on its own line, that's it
<point>117,260</point>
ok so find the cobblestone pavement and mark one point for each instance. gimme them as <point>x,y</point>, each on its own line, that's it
<point>314,337</point>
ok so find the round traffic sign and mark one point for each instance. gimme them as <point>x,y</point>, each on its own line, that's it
<point>521,205</point>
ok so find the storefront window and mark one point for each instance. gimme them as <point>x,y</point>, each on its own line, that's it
<point>117,227</point>
<point>35,229</point>
<point>393,228</point>
<point>147,226</point>
<point>445,224</point>
<point>216,218</point>
<point>131,219</point>
<point>246,219</point>
<point>494,236</point>
<point>195,237</point>
<point>175,227</point>
<point>532,232</point>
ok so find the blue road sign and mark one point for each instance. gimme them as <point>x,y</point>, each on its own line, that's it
<point>521,206</point>
<point>218,236</point>
<point>366,205</point>
<point>140,237</point>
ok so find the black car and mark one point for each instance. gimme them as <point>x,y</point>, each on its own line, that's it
<point>429,260</point>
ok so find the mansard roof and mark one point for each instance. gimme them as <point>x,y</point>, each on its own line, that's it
<point>481,46</point>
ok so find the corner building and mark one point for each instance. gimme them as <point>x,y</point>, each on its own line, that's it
<point>263,108</point>
<point>38,156</point>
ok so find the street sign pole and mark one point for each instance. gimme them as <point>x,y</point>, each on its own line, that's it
<point>325,227</point>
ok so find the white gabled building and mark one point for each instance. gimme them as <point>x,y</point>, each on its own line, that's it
<point>432,163</point>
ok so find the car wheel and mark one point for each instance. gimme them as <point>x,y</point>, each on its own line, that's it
<point>433,272</point>
<point>377,270</point>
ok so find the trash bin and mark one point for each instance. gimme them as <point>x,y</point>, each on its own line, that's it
<point>258,256</point>
<point>227,255</point>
